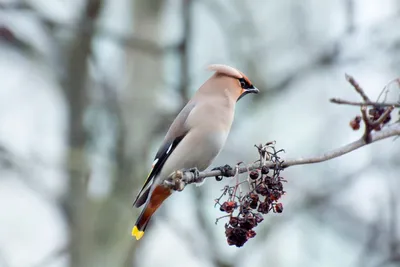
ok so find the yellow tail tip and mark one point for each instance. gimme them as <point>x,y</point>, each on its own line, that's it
<point>136,233</point>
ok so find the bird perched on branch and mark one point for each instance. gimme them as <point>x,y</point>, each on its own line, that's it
<point>195,138</point>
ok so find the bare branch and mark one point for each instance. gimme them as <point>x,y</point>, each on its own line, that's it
<point>180,179</point>
<point>368,103</point>
<point>368,125</point>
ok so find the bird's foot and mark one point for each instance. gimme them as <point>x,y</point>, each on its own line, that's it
<point>175,181</point>
<point>196,174</point>
<point>226,171</point>
<point>179,179</point>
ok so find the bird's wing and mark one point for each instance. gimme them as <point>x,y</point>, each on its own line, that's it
<point>175,134</point>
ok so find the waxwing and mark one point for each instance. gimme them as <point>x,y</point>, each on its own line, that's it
<point>195,137</point>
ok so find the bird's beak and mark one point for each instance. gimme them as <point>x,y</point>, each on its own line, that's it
<point>252,90</point>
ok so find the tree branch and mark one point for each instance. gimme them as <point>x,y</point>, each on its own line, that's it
<point>179,179</point>
<point>369,103</point>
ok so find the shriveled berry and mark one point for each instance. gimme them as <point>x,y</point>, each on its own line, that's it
<point>237,237</point>
<point>268,180</point>
<point>259,218</point>
<point>264,170</point>
<point>251,234</point>
<point>276,195</point>
<point>245,209</point>
<point>259,188</point>
<point>246,203</point>
<point>355,125</point>
<point>248,223</point>
<point>270,185</point>
<point>279,186</point>
<point>262,190</point>
<point>278,207</point>
<point>253,200</point>
<point>263,207</point>
<point>253,175</point>
<point>233,221</point>
<point>228,206</point>
<point>254,204</point>
<point>228,231</point>
<point>253,197</point>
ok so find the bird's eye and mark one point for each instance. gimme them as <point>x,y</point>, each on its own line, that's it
<point>243,83</point>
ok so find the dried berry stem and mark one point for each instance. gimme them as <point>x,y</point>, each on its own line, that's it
<point>369,103</point>
<point>224,216</point>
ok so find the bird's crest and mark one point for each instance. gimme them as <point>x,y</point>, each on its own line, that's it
<point>226,70</point>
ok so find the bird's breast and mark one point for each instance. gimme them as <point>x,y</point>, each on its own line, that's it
<point>207,147</point>
<point>197,150</point>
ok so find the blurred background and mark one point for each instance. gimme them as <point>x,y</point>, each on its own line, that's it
<point>88,89</point>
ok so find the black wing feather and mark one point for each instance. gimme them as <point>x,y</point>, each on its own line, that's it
<point>162,155</point>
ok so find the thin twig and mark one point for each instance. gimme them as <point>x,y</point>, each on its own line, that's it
<point>369,103</point>
<point>385,89</point>
<point>357,87</point>
<point>368,125</point>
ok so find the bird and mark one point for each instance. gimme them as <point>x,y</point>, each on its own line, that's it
<point>195,137</point>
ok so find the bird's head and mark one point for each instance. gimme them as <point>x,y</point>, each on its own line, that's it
<point>233,80</point>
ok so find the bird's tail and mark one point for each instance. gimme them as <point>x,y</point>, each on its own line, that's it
<point>159,194</point>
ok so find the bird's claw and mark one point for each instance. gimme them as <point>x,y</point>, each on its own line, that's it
<point>175,181</point>
<point>226,171</point>
<point>195,172</point>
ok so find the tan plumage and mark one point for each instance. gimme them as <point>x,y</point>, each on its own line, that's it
<point>195,137</point>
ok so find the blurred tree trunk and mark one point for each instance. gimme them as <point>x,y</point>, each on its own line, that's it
<point>115,246</point>
<point>75,87</point>
<point>100,232</point>
<point>144,79</point>
<point>350,16</point>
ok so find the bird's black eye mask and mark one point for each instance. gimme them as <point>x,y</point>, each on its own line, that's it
<point>247,88</point>
<point>244,84</point>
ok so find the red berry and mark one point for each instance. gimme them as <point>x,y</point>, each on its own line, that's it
<point>228,206</point>
<point>278,207</point>
<point>264,170</point>
<point>253,175</point>
<point>250,234</point>
<point>355,125</point>
<point>263,207</point>
<point>233,221</point>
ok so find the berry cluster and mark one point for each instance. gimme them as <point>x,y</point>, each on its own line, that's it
<point>375,114</point>
<point>374,117</point>
<point>245,210</point>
